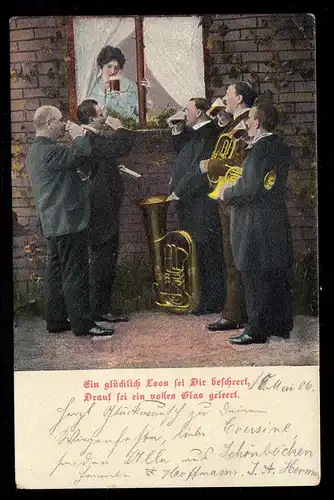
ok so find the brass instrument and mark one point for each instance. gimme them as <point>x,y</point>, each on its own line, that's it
<point>174,258</point>
<point>224,150</point>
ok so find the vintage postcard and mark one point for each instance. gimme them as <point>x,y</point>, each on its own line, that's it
<point>165,251</point>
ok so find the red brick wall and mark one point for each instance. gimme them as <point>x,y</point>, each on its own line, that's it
<point>37,43</point>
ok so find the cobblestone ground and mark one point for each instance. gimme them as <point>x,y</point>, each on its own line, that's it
<point>158,340</point>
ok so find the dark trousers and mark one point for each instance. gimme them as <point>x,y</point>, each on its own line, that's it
<point>268,302</point>
<point>208,239</point>
<point>212,275</point>
<point>67,283</point>
<point>103,264</point>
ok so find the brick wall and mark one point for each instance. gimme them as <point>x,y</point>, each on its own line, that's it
<point>41,43</point>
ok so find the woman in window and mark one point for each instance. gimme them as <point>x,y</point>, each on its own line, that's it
<point>115,93</point>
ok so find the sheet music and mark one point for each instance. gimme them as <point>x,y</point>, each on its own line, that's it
<point>123,168</point>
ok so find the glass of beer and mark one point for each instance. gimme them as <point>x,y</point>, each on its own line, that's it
<point>178,117</point>
<point>114,84</point>
<point>217,106</point>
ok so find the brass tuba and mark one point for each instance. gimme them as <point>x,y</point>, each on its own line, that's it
<point>175,267</point>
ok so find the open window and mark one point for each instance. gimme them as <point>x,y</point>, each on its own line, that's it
<point>141,69</point>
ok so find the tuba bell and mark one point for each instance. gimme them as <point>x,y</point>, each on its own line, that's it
<point>175,268</point>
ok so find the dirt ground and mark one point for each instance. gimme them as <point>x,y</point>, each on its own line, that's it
<point>159,340</point>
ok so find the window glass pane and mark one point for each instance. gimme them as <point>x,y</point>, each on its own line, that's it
<point>105,74</point>
<point>174,61</point>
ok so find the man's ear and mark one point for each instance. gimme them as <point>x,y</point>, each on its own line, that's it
<point>198,113</point>
<point>90,119</point>
<point>239,98</point>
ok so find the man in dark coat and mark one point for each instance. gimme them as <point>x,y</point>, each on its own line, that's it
<point>260,231</point>
<point>106,193</point>
<point>63,207</point>
<point>197,213</point>
<point>239,98</point>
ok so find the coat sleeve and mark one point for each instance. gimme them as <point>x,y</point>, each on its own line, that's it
<point>112,146</point>
<point>60,157</point>
<point>194,180</point>
<point>250,184</point>
<point>181,139</point>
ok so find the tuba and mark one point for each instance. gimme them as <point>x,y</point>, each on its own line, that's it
<point>175,268</point>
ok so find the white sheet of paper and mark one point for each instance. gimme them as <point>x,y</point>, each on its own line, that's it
<point>245,426</point>
<point>126,170</point>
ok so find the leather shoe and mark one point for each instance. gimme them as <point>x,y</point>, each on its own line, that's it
<point>245,339</point>
<point>223,325</point>
<point>111,318</point>
<point>97,331</point>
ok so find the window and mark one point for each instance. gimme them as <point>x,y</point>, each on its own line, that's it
<point>140,69</point>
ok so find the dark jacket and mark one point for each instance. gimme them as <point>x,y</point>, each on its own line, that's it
<point>260,231</point>
<point>197,212</point>
<point>106,183</point>
<point>61,196</point>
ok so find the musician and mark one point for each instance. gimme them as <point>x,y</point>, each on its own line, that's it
<point>238,99</point>
<point>106,193</point>
<point>194,139</point>
<point>260,232</point>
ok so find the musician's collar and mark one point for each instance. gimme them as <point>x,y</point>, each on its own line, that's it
<point>239,112</point>
<point>200,124</point>
<point>258,137</point>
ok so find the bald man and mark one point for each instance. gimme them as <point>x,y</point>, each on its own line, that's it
<point>63,206</point>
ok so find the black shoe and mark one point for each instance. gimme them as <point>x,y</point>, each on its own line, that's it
<point>245,339</point>
<point>64,328</point>
<point>224,325</point>
<point>96,331</point>
<point>111,318</point>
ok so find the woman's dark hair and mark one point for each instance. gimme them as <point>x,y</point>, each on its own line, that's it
<point>266,113</point>
<point>247,92</point>
<point>86,110</point>
<point>109,53</point>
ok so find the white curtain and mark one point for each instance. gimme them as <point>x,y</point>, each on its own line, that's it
<point>173,52</point>
<point>91,34</point>
<point>174,55</point>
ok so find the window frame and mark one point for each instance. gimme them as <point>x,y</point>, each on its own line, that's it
<point>139,37</point>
